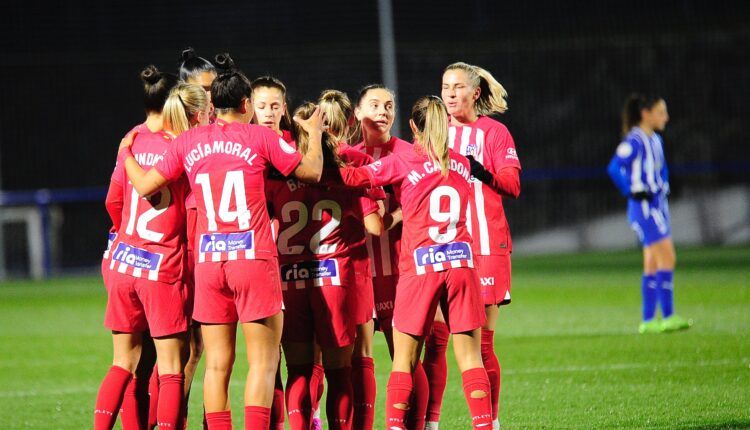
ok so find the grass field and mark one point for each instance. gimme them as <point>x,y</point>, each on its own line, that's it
<point>568,345</point>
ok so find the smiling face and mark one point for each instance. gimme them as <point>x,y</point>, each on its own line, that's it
<point>269,107</point>
<point>459,95</point>
<point>376,112</point>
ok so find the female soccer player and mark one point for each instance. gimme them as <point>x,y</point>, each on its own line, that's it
<point>375,110</point>
<point>639,170</point>
<point>237,276</point>
<point>436,260</point>
<point>471,94</point>
<point>318,226</point>
<point>145,285</point>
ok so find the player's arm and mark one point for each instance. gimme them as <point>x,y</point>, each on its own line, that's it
<point>145,183</point>
<point>507,181</point>
<point>114,203</point>
<point>392,219</point>
<point>504,175</point>
<point>374,224</point>
<point>310,168</point>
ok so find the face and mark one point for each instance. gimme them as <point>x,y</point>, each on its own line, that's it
<point>458,94</point>
<point>204,79</point>
<point>657,117</point>
<point>269,107</point>
<point>376,112</point>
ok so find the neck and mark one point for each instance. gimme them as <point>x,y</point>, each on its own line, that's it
<point>464,118</point>
<point>231,117</point>
<point>646,129</point>
<point>377,140</point>
<point>154,122</point>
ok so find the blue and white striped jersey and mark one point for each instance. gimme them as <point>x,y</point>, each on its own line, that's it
<point>639,164</point>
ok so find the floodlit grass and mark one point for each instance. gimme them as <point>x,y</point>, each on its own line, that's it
<point>568,345</point>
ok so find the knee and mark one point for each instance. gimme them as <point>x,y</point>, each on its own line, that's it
<point>221,363</point>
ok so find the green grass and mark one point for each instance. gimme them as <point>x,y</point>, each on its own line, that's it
<point>568,345</point>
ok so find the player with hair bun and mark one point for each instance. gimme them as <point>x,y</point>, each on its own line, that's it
<point>471,94</point>
<point>146,289</point>
<point>436,265</point>
<point>237,274</point>
<point>639,170</point>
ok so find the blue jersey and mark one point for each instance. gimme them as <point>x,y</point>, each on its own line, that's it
<point>639,165</point>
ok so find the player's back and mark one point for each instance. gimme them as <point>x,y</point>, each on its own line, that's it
<point>151,240</point>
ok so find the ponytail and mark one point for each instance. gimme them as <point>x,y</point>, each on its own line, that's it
<point>184,101</point>
<point>492,95</point>
<point>338,109</point>
<point>631,111</point>
<point>431,119</point>
<point>329,145</point>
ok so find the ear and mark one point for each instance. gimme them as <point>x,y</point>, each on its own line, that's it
<point>358,113</point>
<point>245,106</point>
<point>477,92</point>
<point>414,129</point>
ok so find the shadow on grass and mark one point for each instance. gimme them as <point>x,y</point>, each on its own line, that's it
<point>729,425</point>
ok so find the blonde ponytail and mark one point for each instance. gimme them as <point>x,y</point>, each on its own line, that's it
<point>492,95</point>
<point>184,101</point>
<point>339,110</point>
<point>431,119</point>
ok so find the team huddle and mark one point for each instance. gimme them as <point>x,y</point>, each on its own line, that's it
<point>312,230</point>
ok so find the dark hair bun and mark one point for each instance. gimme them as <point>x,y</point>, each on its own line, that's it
<point>150,74</point>
<point>224,63</point>
<point>187,54</point>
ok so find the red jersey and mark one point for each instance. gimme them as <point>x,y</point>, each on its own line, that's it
<point>226,164</point>
<point>319,228</point>
<point>150,242</point>
<point>383,250</point>
<point>435,235</point>
<point>491,144</point>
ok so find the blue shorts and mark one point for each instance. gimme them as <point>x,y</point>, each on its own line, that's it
<point>650,219</point>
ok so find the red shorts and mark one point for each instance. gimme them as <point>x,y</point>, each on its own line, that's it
<point>237,290</point>
<point>494,277</point>
<point>138,304</point>
<point>322,314</point>
<point>363,301</point>
<point>456,290</point>
<point>385,297</point>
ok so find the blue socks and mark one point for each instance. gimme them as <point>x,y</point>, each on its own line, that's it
<point>649,287</point>
<point>665,291</point>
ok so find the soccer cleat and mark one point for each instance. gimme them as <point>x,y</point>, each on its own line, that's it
<point>496,424</point>
<point>317,424</point>
<point>650,326</point>
<point>431,425</point>
<point>675,323</point>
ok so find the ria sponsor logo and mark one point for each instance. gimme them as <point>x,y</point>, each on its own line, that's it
<point>226,242</point>
<point>511,154</point>
<point>305,270</point>
<point>136,257</point>
<point>444,253</point>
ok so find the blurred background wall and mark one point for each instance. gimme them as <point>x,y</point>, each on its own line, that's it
<point>70,80</point>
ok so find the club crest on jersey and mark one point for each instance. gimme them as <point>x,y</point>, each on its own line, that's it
<point>136,257</point>
<point>444,253</point>
<point>309,270</point>
<point>471,149</point>
<point>226,242</point>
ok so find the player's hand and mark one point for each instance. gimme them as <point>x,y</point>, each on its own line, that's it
<point>127,141</point>
<point>478,171</point>
<point>314,124</point>
<point>642,195</point>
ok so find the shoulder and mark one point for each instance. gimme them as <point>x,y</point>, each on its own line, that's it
<point>354,157</point>
<point>488,124</point>
<point>400,145</point>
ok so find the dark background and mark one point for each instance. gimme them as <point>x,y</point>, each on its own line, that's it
<point>71,87</point>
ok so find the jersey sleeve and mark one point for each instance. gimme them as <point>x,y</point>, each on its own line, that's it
<point>283,156</point>
<point>387,170</point>
<point>503,149</point>
<point>118,173</point>
<point>114,203</point>
<point>171,166</point>
<point>622,165</point>
<point>366,206</point>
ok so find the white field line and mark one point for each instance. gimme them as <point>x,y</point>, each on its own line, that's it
<point>562,369</point>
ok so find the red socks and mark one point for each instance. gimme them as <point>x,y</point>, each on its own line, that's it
<point>129,417</point>
<point>365,391</point>
<point>475,381</point>
<point>317,385</point>
<point>171,393</point>
<point>399,390</point>
<point>257,417</point>
<point>436,368</point>
<point>277,407</point>
<point>298,400</point>
<point>110,396</point>
<point>420,398</point>
<point>492,366</point>
<point>153,396</point>
<point>339,401</point>
<point>219,420</point>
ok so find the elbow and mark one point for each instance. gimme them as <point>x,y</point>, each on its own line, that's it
<point>376,231</point>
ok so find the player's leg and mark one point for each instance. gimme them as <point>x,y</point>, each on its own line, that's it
<point>436,368</point>
<point>218,347</point>
<point>340,398</point>
<point>665,256</point>
<point>262,339</point>
<point>400,387</point>
<point>196,352</point>
<point>490,361</point>
<point>317,386</point>
<point>650,298</point>
<point>126,353</point>
<point>278,412</point>
<point>299,365</point>
<point>363,377</point>
<point>171,353</point>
